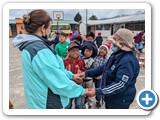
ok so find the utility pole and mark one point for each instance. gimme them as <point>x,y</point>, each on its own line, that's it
<point>58,17</point>
<point>86,20</point>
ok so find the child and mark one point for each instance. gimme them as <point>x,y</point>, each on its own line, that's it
<point>89,50</point>
<point>99,60</point>
<point>78,40</point>
<point>90,36</point>
<point>99,39</point>
<point>61,48</point>
<point>75,64</point>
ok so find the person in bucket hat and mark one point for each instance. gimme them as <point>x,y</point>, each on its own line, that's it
<point>123,39</point>
<point>119,73</point>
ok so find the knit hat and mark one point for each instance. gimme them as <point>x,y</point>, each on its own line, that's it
<point>126,37</point>
<point>104,46</point>
<point>91,44</point>
<point>108,44</point>
<point>99,33</point>
<point>72,45</point>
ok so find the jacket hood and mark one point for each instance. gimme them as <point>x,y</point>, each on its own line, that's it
<point>21,40</point>
<point>92,44</point>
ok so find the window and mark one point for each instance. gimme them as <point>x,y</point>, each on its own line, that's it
<point>135,26</point>
<point>106,27</point>
<point>60,27</point>
<point>99,27</point>
<point>54,27</point>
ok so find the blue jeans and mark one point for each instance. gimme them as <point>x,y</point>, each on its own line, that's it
<point>78,103</point>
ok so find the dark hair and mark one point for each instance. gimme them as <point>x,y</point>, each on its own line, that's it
<point>90,34</point>
<point>36,19</point>
<point>88,47</point>
<point>63,34</point>
<point>77,38</point>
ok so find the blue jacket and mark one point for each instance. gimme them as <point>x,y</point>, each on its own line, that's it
<point>119,87</point>
<point>47,84</point>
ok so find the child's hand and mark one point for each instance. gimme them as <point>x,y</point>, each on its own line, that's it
<point>77,79</point>
<point>86,66</point>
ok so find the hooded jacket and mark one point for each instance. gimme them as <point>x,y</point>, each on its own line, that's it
<point>99,40</point>
<point>118,81</point>
<point>74,65</point>
<point>47,84</point>
<point>93,45</point>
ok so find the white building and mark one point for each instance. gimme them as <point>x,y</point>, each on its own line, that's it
<point>107,27</point>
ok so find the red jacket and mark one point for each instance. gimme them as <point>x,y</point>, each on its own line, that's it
<point>138,38</point>
<point>74,65</point>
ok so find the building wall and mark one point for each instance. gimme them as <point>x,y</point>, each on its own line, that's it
<point>82,28</point>
<point>118,26</point>
<point>10,31</point>
<point>136,27</point>
<point>104,33</point>
<point>20,26</point>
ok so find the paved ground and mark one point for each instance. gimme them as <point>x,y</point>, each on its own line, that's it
<point>16,89</point>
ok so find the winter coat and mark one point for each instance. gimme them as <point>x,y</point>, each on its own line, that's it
<point>74,66</point>
<point>47,83</point>
<point>99,41</point>
<point>118,80</point>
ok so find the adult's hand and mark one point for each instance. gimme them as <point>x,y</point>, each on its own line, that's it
<point>77,79</point>
<point>82,75</point>
<point>91,92</point>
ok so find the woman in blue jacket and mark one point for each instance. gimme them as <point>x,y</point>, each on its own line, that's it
<point>47,84</point>
<point>119,74</point>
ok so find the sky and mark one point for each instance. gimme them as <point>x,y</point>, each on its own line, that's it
<point>70,13</point>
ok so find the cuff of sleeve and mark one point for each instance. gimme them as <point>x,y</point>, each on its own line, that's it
<point>72,76</point>
<point>86,73</point>
<point>83,92</point>
<point>98,91</point>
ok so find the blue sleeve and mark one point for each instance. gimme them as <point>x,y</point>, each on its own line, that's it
<point>124,76</point>
<point>49,69</point>
<point>94,72</point>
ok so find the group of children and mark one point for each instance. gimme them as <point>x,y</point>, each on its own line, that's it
<point>78,57</point>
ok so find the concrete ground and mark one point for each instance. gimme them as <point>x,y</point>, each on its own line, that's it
<point>16,89</point>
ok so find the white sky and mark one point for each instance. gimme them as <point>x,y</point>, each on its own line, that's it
<point>69,13</point>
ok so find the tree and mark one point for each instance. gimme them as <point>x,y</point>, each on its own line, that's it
<point>93,17</point>
<point>78,17</point>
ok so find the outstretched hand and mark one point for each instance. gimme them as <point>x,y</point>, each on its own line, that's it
<point>90,92</point>
<point>82,75</point>
<point>77,79</point>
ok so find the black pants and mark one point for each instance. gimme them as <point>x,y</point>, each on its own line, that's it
<point>107,106</point>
